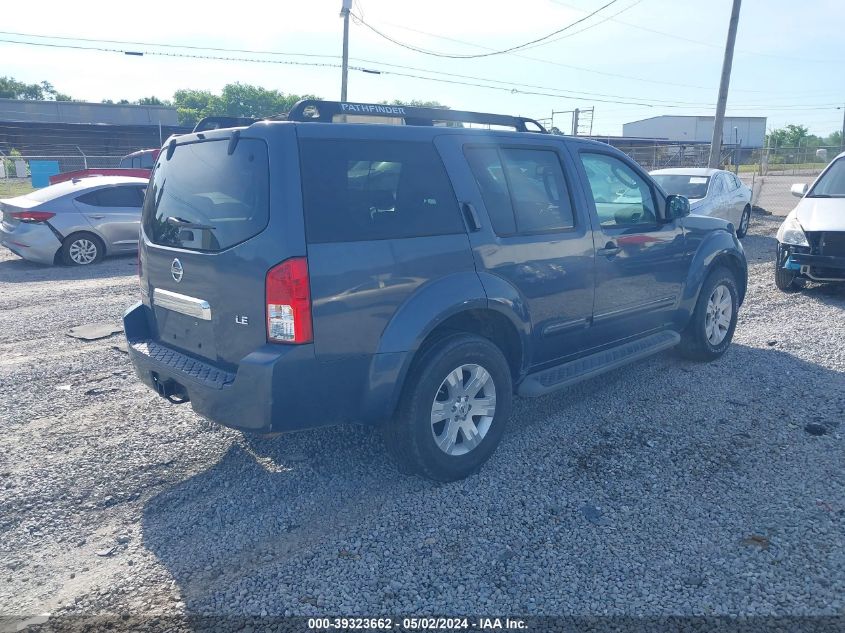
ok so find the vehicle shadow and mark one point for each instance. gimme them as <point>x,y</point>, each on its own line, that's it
<point>17,270</point>
<point>660,438</point>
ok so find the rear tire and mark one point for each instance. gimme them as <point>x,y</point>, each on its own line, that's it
<point>711,328</point>
<point>454,409</point>
<point>82,249</point>
<point>744,222</point>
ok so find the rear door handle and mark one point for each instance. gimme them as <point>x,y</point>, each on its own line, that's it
<point>471,217</point>
<point>610,249</point>
<point>96,217</point>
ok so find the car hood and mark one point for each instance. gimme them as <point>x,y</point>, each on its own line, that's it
<point>700,205</point>
<point>821,214</point>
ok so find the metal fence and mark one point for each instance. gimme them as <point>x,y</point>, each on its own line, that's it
<point>14,166</point>
<point>16,171</point>
<point>768,172</point>
<point>792,161</point>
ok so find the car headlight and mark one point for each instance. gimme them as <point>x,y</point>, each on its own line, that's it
<point>790,232</point>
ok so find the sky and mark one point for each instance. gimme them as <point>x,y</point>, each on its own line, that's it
<point>632,60</point>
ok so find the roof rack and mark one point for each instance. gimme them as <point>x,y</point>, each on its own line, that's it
<point>216,122</point>
<point>310,110</point>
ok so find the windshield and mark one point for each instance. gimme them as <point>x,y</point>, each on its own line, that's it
<point>683,185</point>
<point>831,184</point>
<point>206,199</point>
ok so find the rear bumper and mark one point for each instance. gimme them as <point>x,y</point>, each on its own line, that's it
<point>275,388</point>
<point>34,242</point>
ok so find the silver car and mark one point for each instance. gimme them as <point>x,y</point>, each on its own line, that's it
<point>77,222</point>
<point>713,192</point>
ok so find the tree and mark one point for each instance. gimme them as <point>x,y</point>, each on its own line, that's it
<point>11,88</point>
<point>834,139</point>
<point>416,103</point>
<point>192,105</point>
<point>790,136</point>
<point>241,100</point>
<point>152,101</point>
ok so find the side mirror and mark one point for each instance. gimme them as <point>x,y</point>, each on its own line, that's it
<point>676,207</point>
<point>799,189</point>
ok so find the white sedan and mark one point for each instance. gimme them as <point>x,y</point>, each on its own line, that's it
<point>713,192</point>
<point>811,240</point>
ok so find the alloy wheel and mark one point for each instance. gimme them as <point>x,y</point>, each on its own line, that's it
<point>717,320</point>
<point>463,409</point>
<point>82,251</point>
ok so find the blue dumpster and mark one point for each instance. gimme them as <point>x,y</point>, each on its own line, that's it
<point>41,170</point>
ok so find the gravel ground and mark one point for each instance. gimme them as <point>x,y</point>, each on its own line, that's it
<point>665,488</point>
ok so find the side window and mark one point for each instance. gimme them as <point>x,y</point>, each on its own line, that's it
<point>622,197</point>
<point>373,190</point>
<point>490,176</point>
<point>119,196</point>
<point>524,190</point>
<point>146,161</point>
<point>718,186</point>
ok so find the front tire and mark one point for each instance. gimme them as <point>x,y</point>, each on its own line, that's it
<point>785,280</point>
<point>82,249</point>
<point>454,409</point>
<point>711,328</point>
<point>744,222</point>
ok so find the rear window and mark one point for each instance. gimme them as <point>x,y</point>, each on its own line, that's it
<point>375,190</point>
<point>206,199</point>
<point>119,196</point>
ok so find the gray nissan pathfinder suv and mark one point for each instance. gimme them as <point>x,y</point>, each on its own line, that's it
<point>415,275</point>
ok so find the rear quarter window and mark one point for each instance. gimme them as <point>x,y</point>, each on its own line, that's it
<point>205,199</point>
<point>375,190</point>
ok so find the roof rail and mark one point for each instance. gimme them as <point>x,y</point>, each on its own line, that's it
<point>311,110</point>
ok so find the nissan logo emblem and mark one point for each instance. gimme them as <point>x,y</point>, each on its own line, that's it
<point>176,270</point>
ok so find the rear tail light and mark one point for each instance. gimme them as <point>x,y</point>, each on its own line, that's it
<point>33,217</point>
<point>289,302</point>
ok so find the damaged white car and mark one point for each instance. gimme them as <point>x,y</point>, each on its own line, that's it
<point>811,241</point>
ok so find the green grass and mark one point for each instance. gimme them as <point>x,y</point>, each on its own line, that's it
<point>11,187</point>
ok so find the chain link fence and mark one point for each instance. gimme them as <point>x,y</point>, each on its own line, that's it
<point>16,170</point>
<point>770,172</point>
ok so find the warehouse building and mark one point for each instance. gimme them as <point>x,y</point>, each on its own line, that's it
<point>68,130</point>
<point>746,132</point>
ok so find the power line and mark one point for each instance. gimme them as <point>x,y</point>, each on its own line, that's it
<point>581,68</point>
<point>182,46</point>
<point>512,87</point>
<point>161,54</point>
<point>701,42</point>
<point>360,20</point>
<point>586,28</point>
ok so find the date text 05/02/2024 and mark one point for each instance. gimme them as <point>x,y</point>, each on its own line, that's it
<point>417,623</point>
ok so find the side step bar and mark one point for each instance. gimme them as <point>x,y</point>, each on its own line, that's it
<point>560,376</point>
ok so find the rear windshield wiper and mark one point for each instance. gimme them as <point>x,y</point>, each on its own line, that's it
<point>187,224</point>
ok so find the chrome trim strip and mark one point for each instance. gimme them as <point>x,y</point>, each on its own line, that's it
<point>560,326</point>
<point>641,307</point>
<point>197,308</point>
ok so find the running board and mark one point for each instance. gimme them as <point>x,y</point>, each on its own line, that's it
<point>560,376</point>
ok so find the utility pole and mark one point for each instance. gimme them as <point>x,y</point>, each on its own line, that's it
<point>344,13</point>
<point>842,136</point>
<point>721,104</point>
<point>575,113</point>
